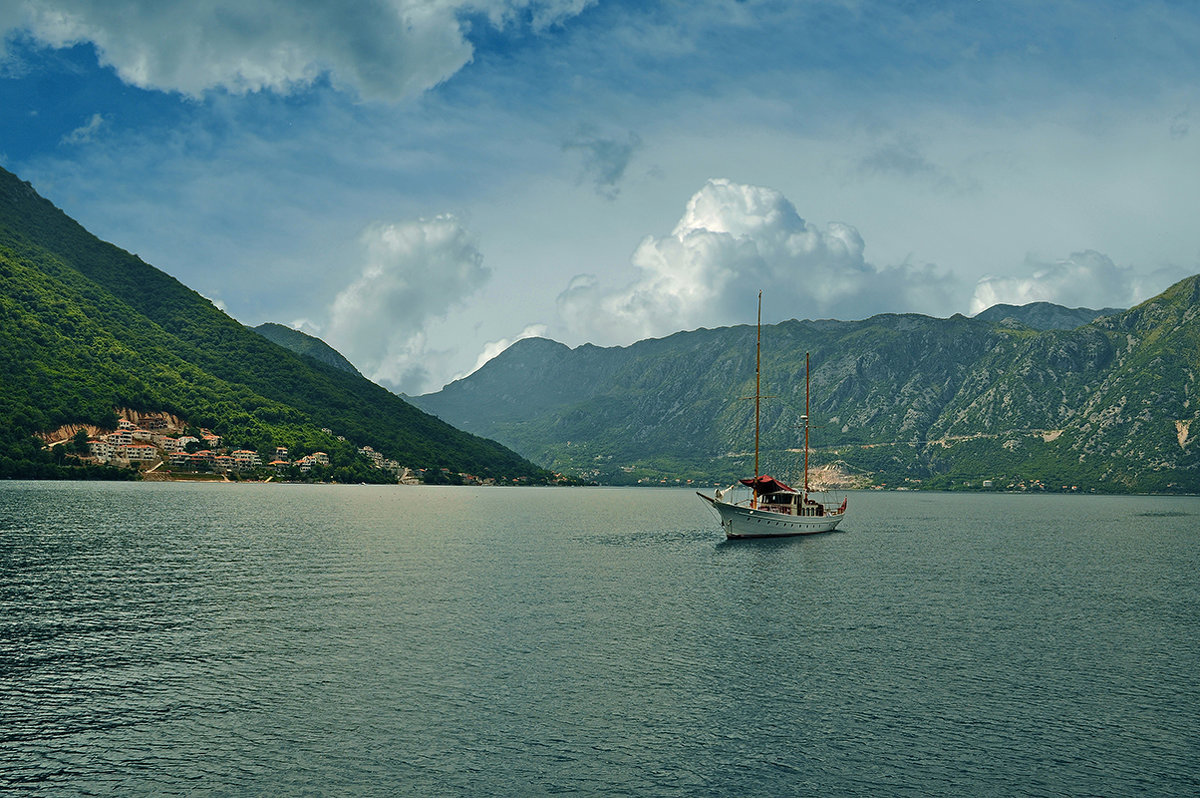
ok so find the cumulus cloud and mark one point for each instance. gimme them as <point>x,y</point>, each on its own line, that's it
<point>381,49</point>
<point>604,159</point>
<point>732,240</point>
<point>1085,279</point>
<point>415,273</point>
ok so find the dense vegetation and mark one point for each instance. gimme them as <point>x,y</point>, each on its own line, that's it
<point>86,327</point>
<point>901,400</point>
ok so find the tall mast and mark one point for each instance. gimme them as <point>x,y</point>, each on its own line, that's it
<point>806,426</point>
<point>757,384</point>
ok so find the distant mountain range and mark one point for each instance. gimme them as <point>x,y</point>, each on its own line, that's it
<point>1036,397</point>
<point>87,328</point>
<point>1033,397</point>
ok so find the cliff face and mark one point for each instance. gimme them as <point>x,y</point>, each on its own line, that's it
<point>1106,405</point>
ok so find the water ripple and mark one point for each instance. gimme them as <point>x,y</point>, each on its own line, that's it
<point>173,640</point>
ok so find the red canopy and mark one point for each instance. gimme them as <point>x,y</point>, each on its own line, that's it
<point>763,484</point>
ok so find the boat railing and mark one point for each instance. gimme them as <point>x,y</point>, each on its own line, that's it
<point>794,504</point>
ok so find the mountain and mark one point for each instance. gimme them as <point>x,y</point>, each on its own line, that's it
<point>1045,315</point>
<point>896,399</point>
<point>87,328</point>
<point>304,344</point>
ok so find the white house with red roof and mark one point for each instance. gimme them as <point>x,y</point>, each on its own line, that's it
<point>141,453</point>
<point>246,458</point>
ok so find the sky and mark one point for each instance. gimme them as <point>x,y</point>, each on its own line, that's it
<point>423,182</point>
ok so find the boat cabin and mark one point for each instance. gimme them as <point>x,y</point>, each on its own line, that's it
<point>790,504</point>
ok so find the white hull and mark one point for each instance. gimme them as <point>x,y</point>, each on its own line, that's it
<point>775,510</point>
<point>740,521</point>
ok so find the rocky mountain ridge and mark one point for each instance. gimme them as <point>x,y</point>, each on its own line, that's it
<point>898,399</point>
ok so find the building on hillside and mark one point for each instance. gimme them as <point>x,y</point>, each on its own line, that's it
<point>223,462</point>
<point>246,458</point>
<point>179,458</point>
<point>125,424</point>
<point>168,444</point>
<point>141,453</point>
<point>308,461</point>
<point>102,450</point>
<point>279,465</point>
<point>211,441</point>
<point>122,437</point>
<point>184,440</point>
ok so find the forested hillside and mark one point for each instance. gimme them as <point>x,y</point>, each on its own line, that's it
<point>86,327</point>
<point>910,400</point>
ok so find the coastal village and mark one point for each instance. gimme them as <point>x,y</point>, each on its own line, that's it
<point>159,446</point>
<point>133,444</point>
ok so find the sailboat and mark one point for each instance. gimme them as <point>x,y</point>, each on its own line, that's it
<point>773,508</point>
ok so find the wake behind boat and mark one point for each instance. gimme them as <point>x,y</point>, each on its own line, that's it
<point>772,508</point>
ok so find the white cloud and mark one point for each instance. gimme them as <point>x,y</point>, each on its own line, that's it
<point>86,132</point>
<point>415,273</point>
<point>381,49</point>
<point>1085,279</point>
<point>732,240</point>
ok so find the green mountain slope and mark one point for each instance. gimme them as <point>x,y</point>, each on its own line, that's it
<point>86,327</point>
<point>897,399</point>
<point>304,344</point>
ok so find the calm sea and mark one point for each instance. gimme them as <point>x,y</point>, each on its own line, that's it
<point>173,639</point>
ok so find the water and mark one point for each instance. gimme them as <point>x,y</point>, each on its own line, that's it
<point>175,639</point>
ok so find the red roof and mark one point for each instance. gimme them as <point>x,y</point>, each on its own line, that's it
<point>764,483</point>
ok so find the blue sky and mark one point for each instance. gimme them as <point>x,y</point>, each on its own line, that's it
<point>421,183</point>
